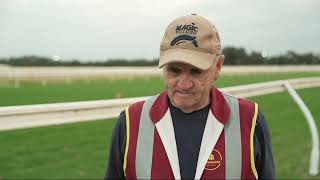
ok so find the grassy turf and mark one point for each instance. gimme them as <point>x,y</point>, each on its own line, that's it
<point>66,151</point>
<point>35,93</point>
<point>291,137</point>
<point>80,150</point>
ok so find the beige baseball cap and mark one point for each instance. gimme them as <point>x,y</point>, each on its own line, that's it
<point>190,39</point>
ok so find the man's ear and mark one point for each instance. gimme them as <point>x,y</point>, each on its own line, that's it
<point>219,63</point>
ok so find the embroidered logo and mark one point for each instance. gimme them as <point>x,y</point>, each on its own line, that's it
<point>190,29</point>
<point>183,38</point>
<point>214,160</point>
<point>186,32</point>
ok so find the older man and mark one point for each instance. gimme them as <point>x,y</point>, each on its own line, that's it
<point>191,130</point>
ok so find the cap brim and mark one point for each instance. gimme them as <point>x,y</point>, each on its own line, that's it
<point>201,60</point>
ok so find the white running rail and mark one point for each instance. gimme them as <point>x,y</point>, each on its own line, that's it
<point>314,156</point>
<point>27,116</point>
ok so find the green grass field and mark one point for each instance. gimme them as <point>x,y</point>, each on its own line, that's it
<point>291,137</point>
<point>80,150</point>
<point>35,93</point>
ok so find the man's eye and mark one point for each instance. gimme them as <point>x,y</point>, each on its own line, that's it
<point>174,70</point>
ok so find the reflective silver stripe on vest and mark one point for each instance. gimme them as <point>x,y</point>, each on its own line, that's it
<point>145,142</point>
<point>232,135</point>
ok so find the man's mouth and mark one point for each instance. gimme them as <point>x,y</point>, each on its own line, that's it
<point>183,94</point>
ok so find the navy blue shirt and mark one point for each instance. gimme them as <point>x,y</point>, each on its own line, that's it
<point>188,129</point>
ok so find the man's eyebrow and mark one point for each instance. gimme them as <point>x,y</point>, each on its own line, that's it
<point>173,68</point>
<point>197,70</point>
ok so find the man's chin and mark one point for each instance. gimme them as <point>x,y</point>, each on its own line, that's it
<point>183,105</point>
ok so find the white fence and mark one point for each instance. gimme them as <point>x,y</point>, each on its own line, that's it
<point>26,116</point>
<point>314,155</point>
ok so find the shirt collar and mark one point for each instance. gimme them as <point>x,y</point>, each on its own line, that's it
<point>219,106</point>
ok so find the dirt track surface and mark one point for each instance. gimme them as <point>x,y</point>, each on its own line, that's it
<point>129,72</point>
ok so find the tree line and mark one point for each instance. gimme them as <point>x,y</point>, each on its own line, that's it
<point>234,56</point>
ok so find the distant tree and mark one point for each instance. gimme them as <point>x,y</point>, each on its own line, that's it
<point>255,58</point>
<point>235,56</point>
<point>31,61</point>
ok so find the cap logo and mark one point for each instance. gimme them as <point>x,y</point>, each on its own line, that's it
<point>190,29</point>
<point>182,38</point>
<point>186,32</point>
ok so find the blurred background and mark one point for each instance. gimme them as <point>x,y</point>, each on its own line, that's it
<point>91,51</point>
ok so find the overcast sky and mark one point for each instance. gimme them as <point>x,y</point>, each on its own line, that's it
<point>103,29</point>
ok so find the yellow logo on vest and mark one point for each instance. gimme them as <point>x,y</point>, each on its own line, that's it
<point>214,160</point>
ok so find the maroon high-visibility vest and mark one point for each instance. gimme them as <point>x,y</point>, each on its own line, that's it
<point>226,150</point>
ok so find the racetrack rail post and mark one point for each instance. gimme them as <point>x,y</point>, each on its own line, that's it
<point>314,157</point>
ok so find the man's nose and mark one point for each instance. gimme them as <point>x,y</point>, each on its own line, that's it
<point>184,82</point>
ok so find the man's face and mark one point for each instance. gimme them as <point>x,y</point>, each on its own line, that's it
<point>188,87</point>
